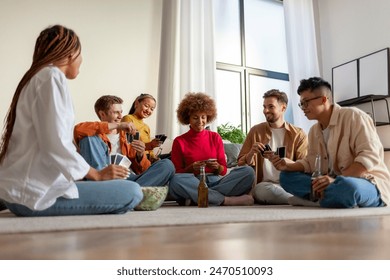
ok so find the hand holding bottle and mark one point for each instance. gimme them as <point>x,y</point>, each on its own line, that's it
<point>314,194</point>
<point>319,184</point>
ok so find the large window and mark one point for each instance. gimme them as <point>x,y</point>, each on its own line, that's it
<point>251,58</point>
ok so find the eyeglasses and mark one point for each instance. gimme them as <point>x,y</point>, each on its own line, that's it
<point>304,103</point>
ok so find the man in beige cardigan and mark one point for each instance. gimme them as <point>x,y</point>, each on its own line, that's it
<point>275,132</point>
<point>353,170</point>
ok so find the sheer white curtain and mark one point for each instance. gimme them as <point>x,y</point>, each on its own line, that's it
<point>301,51</point>
<point>187,61</point>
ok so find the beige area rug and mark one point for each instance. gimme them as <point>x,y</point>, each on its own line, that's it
<point>176,215</point>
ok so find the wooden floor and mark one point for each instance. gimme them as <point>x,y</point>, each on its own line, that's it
<point>349,238</point>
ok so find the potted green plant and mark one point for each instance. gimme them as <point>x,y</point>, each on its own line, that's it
<point>232,133</point>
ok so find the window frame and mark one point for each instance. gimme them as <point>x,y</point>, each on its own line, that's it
<point>246,72</point>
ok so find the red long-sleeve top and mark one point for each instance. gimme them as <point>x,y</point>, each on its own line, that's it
<point>196,146</point>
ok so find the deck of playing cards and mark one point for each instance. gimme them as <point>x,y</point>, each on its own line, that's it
<point>119,159</point>
<point>131,137</point>
<point>161,137</point>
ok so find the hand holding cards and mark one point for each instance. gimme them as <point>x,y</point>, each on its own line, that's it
<point>280,151</point>
<point>119,159</point>
<point>267,149</point>
<point>131,137</point>
<point>161,137</point>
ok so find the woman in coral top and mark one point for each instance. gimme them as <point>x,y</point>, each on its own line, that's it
<point>195,148</point>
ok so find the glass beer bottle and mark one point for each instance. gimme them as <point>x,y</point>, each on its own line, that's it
<point>203,190</point>
<point>315,174</point>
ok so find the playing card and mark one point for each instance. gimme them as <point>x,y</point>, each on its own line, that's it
<point>118,158</point>
<point>129,137</point>
<point>112,159</point>
<point>125,162</point>
<point>161,137</point>
<point>281,151</point>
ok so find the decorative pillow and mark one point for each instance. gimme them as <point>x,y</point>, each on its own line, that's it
<point>232,150</point>
<point>154,196</point>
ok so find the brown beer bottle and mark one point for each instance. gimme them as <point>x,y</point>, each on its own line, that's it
<point>203,190</point>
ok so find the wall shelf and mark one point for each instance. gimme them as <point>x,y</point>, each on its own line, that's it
<point>369,98</point>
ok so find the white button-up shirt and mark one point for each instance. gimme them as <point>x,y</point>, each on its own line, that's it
<point>41,163</point>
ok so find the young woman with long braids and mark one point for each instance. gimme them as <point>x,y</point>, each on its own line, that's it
<point>40,169</point>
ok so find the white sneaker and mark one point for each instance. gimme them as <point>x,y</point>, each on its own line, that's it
<point>297,201</point>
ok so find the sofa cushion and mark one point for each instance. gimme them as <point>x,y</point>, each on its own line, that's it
<point>232,150</point>
<point>154,196</point>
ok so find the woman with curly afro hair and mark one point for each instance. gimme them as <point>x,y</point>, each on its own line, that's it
<point>201,147</point>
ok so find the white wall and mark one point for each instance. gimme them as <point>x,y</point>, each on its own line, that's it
<point>120,46</point>
<point>349,29</point>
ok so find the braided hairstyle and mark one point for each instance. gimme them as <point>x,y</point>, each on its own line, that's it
<point>55,44</point>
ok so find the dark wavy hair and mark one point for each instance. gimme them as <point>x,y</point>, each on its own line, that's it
<point>139,98</point>
<point>194,103</point>
<point>315,83</point>
<point>53,45</point>
<point>312,84</point>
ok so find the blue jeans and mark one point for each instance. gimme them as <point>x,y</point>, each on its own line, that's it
<point>238,182</point>
<point>95,152</point>
<point>344,192</point>
<point>95,197</point>
<point>158,174</point>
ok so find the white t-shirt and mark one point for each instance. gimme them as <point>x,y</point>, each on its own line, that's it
<point>325,134</point>
<point>270,173</point>
<point>115,145</point>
